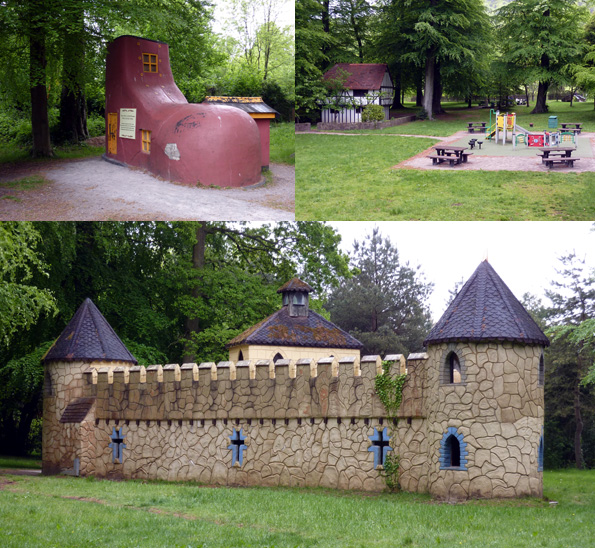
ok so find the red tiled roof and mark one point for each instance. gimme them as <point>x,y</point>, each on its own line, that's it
<point>363,76</point>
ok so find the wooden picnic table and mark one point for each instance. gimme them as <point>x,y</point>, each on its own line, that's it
<point>448,150</point>
<point>556,151</point>
<point>449,153</point>
<point>577,125</point>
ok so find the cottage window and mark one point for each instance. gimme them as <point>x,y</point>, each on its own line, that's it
<point>454,368</point>
<point>359,93</point>
<point>540,454</point>
<point>146,141</point>
<point>277,357</point>
<point>240,356</point>
<point>149,62</point>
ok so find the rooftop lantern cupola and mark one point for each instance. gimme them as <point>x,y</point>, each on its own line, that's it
<point>295,296</point>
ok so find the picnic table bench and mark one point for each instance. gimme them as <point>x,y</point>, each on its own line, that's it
<point>548,152</point>
<point>567,160</point>
<point>472,126</point>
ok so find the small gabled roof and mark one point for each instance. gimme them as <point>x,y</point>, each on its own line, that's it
<point>486,310</point>
<point>295,285</point>
<point>88,336</point>
<point>362,76</point>
<point>281,329</point>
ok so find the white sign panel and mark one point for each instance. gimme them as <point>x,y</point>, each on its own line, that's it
<point>128,123</point>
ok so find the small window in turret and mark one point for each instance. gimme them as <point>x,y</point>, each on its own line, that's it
<point>454,367</point>
<point>149,62</point>
<point>298,299</point>
<point>541,372</point>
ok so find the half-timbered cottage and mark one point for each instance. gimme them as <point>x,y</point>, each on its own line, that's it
<point>357,85</point>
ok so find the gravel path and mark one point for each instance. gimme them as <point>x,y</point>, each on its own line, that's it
<point>93,189</point>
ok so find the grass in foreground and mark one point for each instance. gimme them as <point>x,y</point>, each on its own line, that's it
<point>58,511</point>
<point>282,143</point>
<point>351,177</point>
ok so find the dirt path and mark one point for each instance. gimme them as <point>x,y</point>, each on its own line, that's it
<point>93,189</point>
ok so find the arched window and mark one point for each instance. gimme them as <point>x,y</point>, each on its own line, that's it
<point>540,454</point>
<point>453,368</point>
<point>453,451</point>
<point>278,356</point>
<point>240,356</point>
<point>541,372</point>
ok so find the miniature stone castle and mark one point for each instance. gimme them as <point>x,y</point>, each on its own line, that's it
<point>470,424</point>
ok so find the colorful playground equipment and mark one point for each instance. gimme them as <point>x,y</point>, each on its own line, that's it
<point>504,128</point>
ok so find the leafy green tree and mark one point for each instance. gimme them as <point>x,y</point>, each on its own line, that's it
<point>542,36</point>
<point>571,314</point>
<point>384,306</point>
<point>312,43</point>
<point>20,302</point>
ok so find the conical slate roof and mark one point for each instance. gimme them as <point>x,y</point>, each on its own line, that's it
<point>295,284</point>
<point>88,336</point>
<point>296,331</point>
<point>486,310</point>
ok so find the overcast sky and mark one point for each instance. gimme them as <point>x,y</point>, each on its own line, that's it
<point>524,254</point>
<point>223,12</point>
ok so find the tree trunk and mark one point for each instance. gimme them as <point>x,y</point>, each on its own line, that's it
<point>37,78</point>
<point>419,94</point>
<point>429,86</point>
<point>469,101</point>
<point>198,262</point>
<point>527,95</point>
<point>578,451</point>
<point>397,103</point>
<point>73,108</point>
<point>541,101</point>
<point>437,96</point>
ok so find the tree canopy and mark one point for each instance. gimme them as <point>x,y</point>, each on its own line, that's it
<point>461,49</point>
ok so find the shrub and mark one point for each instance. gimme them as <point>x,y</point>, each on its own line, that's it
<point>421,114</point>
<point>373,113</point>
<point>96,125</point>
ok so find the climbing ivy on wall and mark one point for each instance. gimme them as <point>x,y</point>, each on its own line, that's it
<point>390,392</point>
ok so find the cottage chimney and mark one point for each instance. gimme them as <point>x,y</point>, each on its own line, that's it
<point>295,296</point>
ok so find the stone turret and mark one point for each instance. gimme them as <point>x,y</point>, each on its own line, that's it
<point>485,404</point>
<point>87,342</point>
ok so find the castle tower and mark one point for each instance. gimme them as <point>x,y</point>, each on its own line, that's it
<point>485,399</point>
<point>293,332</point>
<point>88,341</point>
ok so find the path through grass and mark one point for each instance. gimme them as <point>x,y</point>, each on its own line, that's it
<point>352,178</point>
<point>58,511</point>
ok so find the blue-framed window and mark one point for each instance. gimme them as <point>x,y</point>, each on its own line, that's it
<point>380,446</point>
<point>237,447</point>
<point>540,454</point>
<point>117,445</point>
<point>453,451</point>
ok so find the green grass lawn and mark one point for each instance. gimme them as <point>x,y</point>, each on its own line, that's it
<point>282,143</point>
<point>11,462</point>
<point>71,512</point>
<point>14,153</point>
<point>351,178</point>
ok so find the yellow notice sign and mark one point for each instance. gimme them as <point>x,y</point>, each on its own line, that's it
<point>128,123</point>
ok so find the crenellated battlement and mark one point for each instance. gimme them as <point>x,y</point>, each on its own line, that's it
<point>248,389</point>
